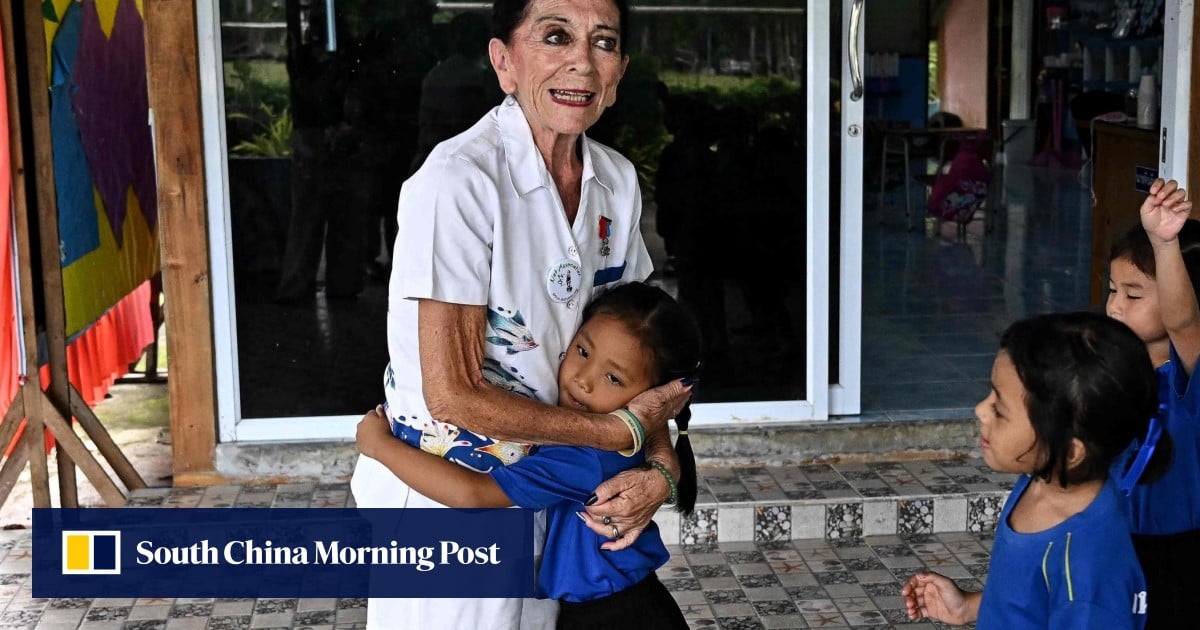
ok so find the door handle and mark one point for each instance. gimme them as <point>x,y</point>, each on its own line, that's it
<point>856,75</point>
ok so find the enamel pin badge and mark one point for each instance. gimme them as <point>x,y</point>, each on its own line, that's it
<point>604,230</point>
<point>564,280</point>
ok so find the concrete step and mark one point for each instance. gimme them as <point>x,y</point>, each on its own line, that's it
<point>839,501</point>
<point>937,434</point>
<point>752,503</point>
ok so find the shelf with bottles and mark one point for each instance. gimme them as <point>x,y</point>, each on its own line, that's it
<point>1118,64</point>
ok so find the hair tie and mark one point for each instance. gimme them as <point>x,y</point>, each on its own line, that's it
<point>1144,453</point>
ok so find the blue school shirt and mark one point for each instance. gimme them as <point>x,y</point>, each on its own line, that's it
<point>1170,505</point>
<point>574,568</point>
<point>1081,573</point>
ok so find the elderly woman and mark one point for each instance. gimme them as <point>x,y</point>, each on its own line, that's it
<point>505,233</point>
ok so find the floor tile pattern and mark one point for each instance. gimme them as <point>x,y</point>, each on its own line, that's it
<point>782,584</point>
<point>790,547</point>
<point>839,501</point>
<point>935,300</point>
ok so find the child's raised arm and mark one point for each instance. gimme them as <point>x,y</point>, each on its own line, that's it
<point>1164,214</point>
<point>443,481</point>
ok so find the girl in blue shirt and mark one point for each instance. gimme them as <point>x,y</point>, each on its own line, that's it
<point>632,338</point>
<point>1069,392</point>
<point>1153,274</point>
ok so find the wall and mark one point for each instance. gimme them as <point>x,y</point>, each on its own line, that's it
<point>963,72</point>
<point>897,26</point>
<point>903,97</point>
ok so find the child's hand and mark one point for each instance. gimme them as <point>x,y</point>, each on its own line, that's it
<point>373,430</point>
<point>936,596</point>
<point>1165,211</point>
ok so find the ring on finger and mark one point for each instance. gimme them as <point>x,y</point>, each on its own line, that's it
<point>607,520</point>
<point>616,532</point>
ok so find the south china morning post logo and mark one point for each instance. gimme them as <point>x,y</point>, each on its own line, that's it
<point>91,552</point>
<point>282,552</point>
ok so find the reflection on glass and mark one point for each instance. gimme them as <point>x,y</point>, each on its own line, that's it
<point>711,111</point>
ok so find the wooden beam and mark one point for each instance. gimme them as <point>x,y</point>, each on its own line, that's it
<point>11,471</point>
<point>173,82</point>
<point>68,442</point>
<point>12,421</point>
<point>47,204</point>
<point>104,442</point>
<point>31,388</point>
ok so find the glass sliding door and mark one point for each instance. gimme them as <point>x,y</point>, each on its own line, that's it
<point>736,117</point>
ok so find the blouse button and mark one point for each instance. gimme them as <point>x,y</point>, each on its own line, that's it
<point>572,251</point>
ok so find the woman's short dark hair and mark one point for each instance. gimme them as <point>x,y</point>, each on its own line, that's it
<point>671,336</point>
<point>1134,246</point>
<point>1089,377</point>
<point>507,15</point>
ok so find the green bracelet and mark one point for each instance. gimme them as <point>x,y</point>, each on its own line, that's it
<point>657,465</point>
<point>635,429</point>
<point>637,423</point>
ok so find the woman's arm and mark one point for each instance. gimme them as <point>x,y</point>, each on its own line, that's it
<point>658,447</point>
<point>451,352</point>
<point>443,481</point>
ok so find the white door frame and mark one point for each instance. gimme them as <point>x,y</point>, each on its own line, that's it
<point>846,390</point>
<point>842,397</point>
<point>1174,128</point>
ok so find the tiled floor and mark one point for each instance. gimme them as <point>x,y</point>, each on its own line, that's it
<point>793,584</point>
<point>935,303</point>
<point>801,561</point>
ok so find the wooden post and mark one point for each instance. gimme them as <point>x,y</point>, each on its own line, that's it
<point>173,82</point>
<point>47,204</point>
<point>31,390</point>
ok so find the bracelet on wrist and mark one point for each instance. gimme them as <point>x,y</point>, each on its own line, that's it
<point>657,465</point>
<point>636,431</point>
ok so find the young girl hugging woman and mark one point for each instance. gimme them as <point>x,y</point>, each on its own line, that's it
<point>1153,274</point>
<point>1069,392</point>
<point>632,338</point>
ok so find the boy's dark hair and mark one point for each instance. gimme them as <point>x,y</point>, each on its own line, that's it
<point>1089,377</point>
<point>507,15</point>
<point>671,337</point>
<point>1134,245</point>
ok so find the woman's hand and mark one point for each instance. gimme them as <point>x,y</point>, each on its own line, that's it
<point>936,596</point>
<point>628,501</point>
<point>654,407</point>
<point>373,430</point>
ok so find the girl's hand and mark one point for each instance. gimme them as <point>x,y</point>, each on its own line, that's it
<point>373,431</point>
<point>1165,211</point>
<point>654,407</point>
<point>936,596</point>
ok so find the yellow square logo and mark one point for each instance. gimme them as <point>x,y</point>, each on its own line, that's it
<point>91,553</point>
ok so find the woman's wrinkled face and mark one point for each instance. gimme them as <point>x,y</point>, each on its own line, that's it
<point>563,64</point>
